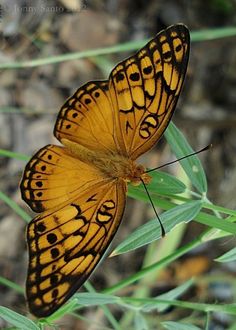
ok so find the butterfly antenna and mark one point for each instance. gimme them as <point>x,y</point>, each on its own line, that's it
<point>177,160</point>
<point>163,233</point>
<point>156,168</point>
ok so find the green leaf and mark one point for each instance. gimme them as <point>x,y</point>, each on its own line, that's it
<point>85,299</point>
<point>10,202</point>
<point>109,299</point>
<point>162,183</point>
<point>94,299</point>
<point>140,322</point>
<point>211,34</point>
<point>12,285</point>
<point>228,256</point>
<point>151,231</point>
<point>11,154</point>
<point>18,320</point>
<point>179,325</point>
<point>208,34</point>
<point>206,308</point>
<point>170,295</point>
<point>215,222</point>
<point>191,165</point>
<point>69,307</point>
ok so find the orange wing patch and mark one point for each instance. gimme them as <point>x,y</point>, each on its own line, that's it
<point>66,243</point>
<point>53,176</point>
<point>145,89</point>
<point>85,115</point>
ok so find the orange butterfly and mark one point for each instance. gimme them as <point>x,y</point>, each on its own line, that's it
<point>80,188</point>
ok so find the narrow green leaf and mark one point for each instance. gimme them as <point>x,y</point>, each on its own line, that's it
<point>85,299</point>
<point>162,183</point>
<point>107,313</point>
<point>208,321</point>
<point>215,222</point>
<point>209,34</point>
<point>15,207</point>
<point>223,308</point>
<point>228,256</point>
<point>12,285</point>
<point>69,307</point>
<point>165,184</point>
<point>94,299</point>
<point>179,325</point>
<point>170,295</point>
<point>140,322</point>
<point>11,154</point>
<point>18,320</point>
<point>151,231</point>
<point>191,165</point>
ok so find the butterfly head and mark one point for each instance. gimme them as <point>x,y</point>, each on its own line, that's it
<point>138,175</point>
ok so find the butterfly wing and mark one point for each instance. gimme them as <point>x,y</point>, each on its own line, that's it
<point>129,113</point>
<point>53,176</point>
<point>82,211</point>
<point>145,88</point>
<point>66,243</point>
<point>87,118</point>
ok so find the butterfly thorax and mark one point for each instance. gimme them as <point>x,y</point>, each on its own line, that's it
<point>110,164</point>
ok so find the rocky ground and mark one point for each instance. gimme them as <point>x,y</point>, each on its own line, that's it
<point>31,97</point>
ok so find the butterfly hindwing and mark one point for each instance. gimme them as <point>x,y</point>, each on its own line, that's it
<point>145,89</point>
<point>66,243</point>
<point>53,176</point>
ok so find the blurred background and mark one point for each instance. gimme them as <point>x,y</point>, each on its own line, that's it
<point>30,98</point>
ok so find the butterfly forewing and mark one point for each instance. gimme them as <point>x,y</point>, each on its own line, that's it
<point>66,243</point>
<point>85,115</point>
<point>134,107</point>
<point>145,88</point>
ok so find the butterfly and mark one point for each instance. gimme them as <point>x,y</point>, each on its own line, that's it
<point>80,188</point>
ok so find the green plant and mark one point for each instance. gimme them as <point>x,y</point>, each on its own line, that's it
<point>181,204</point>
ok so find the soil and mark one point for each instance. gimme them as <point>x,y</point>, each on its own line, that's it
<point>30,98</point>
